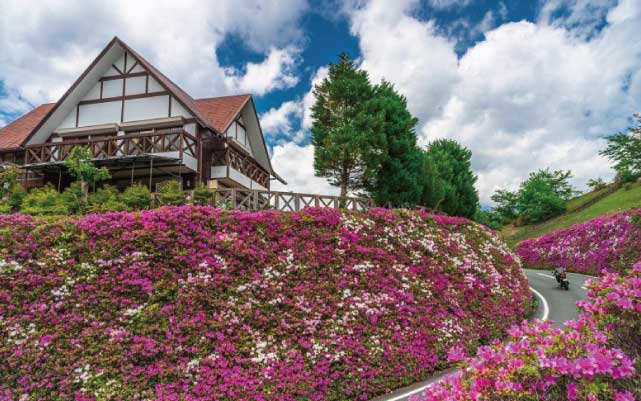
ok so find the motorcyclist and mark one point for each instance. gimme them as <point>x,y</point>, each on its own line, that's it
<point>558,271</point>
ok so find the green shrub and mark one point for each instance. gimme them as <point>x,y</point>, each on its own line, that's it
<point>597,184</point>
<point>623,177</point>
<point>72,197</point>
<point>136,197</point>
<point>15,198</point>
<point>170,193</point>
<point>8,179</point>
<point>490,218</point>
<point>45,201</point>
<point>105,199</point>
<point>202,195</point>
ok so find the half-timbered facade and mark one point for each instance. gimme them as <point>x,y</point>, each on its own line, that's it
<point>143,128</point>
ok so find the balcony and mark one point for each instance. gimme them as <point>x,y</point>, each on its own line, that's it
<point>236,169</point>
<point>173,143</point>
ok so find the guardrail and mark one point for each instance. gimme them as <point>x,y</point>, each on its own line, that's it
<point>253,200</point>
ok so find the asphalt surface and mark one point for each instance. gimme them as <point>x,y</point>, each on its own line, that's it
<point>561,303</point>
<point>555,304</point>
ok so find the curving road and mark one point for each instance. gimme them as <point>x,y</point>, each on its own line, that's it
<point>561,303</point>
<point>554,304</point>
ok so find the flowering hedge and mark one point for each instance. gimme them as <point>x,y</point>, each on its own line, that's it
<point>607,243</point>
<point>194,303</point>
<point>592,358</point>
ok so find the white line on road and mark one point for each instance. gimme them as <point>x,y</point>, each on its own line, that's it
<point>546,275</point>
<point>546,308</point>
<point>411,392</point>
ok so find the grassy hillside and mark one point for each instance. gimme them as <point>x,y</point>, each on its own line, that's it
<point>622,199</point>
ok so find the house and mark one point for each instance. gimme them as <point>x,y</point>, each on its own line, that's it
<point>143,128</point>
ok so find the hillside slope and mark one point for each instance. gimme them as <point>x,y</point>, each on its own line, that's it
<point>194,303</point>
<point>621,199</point>
<point>607,243</point>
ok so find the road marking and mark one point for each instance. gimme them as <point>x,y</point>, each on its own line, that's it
<point>546,275</point>
<point>584,287</point>
<point>546,308</point>
<point>411,392</point>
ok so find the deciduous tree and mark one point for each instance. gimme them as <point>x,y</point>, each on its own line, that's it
<point>625,149</point>
<point>81,168</point>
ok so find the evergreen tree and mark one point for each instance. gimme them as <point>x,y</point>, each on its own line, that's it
<point>452,163</point>
<point>342,126</point>
<point>393,166</point>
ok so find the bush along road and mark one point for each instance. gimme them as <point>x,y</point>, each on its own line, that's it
<point>554,304</point>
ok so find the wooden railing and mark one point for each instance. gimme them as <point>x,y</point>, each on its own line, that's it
<point>247,199</point>
<point>241,162</point>
<point>172,140</point>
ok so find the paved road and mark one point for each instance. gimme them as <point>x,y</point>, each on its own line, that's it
<point>554,304</point>
<point>561,303</point>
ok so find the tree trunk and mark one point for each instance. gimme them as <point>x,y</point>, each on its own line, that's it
<point>344,182</point>
<point>85,190</point>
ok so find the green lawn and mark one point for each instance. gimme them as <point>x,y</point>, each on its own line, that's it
<point>574,203</point>
<point>622,199</point>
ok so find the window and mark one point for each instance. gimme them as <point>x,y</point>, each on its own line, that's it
<point>237,131</point>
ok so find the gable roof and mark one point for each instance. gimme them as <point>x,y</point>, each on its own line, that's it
<point>182,97</point>
<point>220,112</point>
<point>14,134</point>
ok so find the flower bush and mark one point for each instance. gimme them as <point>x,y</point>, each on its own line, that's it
<point>592,358</point>
<point>195,303</point>
<point>607,243</point>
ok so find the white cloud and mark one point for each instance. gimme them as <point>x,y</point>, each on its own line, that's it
<point>582,16</point>
<point>527,97</point>
<point>396,46</point>
<point>296,164</point>
<point>275,72</point>
<point>279,120</point>
<point>443,4</point>
<point>45,45</point>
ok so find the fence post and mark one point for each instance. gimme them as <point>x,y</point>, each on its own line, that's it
<point>297,202</point>
<point>255,200</point>
<point>233,199</point>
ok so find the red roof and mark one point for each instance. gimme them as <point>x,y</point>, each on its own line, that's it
<point>12,135</point>
<point>219,112</point>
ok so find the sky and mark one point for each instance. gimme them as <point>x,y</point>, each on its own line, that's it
<point>524,84</point>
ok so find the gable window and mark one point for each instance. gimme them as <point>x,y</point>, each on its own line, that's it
<point>238,132</point>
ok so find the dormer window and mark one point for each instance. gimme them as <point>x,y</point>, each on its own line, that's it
<point>237,132</point>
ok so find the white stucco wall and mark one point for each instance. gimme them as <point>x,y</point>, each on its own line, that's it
<point>112,88</point>
<point>69,121</point>
<point>135,85</point>
<point>94,93</point>
<point>99,113</point>
<point>178,110</point>
<point>154,86</point>
<point>146,108</point>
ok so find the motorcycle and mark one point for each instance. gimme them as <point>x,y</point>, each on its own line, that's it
<point>562,279</point>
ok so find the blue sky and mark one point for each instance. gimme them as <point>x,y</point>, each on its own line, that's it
<point>523,84</point>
